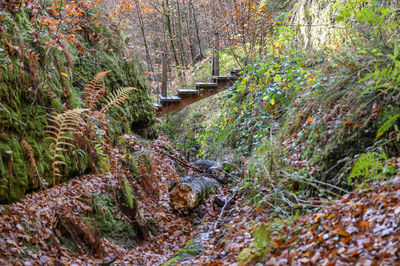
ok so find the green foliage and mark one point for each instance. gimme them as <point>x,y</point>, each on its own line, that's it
<point>262,236</point>
<point>102,158</point>
<point>191,250</point>
<point>13,165</point>
<point>31,86</point>
<point>386,76</point>
<point>262,243</point>
<point>151,224</point>
<point>128,192</point>
<point>264,91</point>
<point>104,218</point>
<point>370,166</point>
<point>369,13</point>
<point>387,125</point>
<point>375,33</point>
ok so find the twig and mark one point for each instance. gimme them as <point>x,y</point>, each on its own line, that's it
<point>16,119</point>
<point>305,203</point>
<point>111,260</point>
<point>319,182</point>
<point>235,177</point>
<point>291,204</point>
<point>223,209</point>
<point>276,207</point>
<point>182,162</point>
<point>314,185</point>
<point>330,185</point>
<point>268,176</point>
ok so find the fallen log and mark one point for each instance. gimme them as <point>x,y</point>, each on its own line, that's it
<point>190,191</point>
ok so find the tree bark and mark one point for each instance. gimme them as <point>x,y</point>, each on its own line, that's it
<point>190,191</point>
<point>141,26</point>
<point>180,38</point>
<point>167,14</point>
<point>197,29</point>
<point>189,33</point>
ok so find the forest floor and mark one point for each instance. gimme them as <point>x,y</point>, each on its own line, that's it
<point>360,227</point>
<point>30,231</point>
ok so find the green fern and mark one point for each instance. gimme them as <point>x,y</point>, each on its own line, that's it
<point>387,125</point>
<point>370,166</point>
<point>385,78</point>
<point>116,98</point>
<point>60,130</point>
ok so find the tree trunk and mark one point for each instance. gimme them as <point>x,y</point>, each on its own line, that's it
<point>167,10</point>
<point>190,191</point>
<point>141,26</point>
<point>180,38</point>
<point>189,33</point>
<point>197,29</point>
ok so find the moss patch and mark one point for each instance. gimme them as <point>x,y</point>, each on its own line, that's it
<point>30,89</point>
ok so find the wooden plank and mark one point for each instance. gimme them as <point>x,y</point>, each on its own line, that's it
<point>236,72</point>
<point>157,106</point>
<point>172,106</point>
<point>204,90</point>
<point>209,85</point>
<point>224,78</point>
<point>169,99</point>
<point>187,93</point>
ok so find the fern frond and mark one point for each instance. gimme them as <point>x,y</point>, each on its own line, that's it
<point>52,127</point>
<point>50,138</point>
<point>100,76</point>
<point>66,144</point>
<point>60,131</point>
<point>93,91</point>
<point>387,125</point>
<point>117,98</point>
<point>66,138</point>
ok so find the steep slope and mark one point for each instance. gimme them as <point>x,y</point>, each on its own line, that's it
<point>44,67</point>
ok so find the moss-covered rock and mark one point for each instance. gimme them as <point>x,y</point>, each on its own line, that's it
<point>36,80</point>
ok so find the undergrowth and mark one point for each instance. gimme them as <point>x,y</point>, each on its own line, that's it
<point>110,223</point>
<point>307,124</point>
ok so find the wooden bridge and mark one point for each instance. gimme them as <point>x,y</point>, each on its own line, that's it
<point>203,90</point>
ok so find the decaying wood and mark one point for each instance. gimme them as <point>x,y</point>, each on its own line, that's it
<point>190,191</point>
<point>183,163</point>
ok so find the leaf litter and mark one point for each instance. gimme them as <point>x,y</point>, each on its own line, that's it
<point>30,228</point>
<point>360,228</point>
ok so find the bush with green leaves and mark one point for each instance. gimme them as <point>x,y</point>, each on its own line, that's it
<point>263,93</point>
